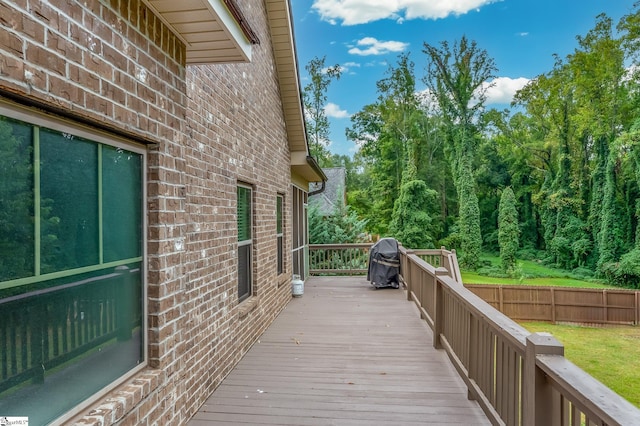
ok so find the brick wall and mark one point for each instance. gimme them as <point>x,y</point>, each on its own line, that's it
<point>113,64</point>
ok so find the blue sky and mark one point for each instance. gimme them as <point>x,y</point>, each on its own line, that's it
<point>364,37</point>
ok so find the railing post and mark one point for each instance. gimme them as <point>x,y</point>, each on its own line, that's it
<point>538,408</point>
<point>38,323</point>
<point>406,274</point>
<point>438,317</point>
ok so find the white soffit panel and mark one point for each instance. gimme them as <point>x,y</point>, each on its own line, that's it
<point>207,28</point>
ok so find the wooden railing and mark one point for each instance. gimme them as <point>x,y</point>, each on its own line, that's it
<point>339,259</point>
<point>561,304</point>
<point>46,328</point>
<point>518,378</point>
<point>353,259</point>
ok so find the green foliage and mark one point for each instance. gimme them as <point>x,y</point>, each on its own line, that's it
<point>340,227</point>
<point>610,244</point>
<point>530,272</point>
<point>570,154</point>
<point>626,272</point>
<point>411,223</point>
<point>508,231</point>
<point>469,221</point>
<point>457,76</point>
<point>399,142</point>
<point>315,98</point>
<point>16,204</point>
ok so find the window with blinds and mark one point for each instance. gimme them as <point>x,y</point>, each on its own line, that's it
<point>245,243</point>
<point>279,233</point>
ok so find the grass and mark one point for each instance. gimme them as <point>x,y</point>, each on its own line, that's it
<point>608,354</point>
<point>532,273</point>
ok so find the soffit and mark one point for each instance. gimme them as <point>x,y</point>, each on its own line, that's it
<point>287,68</point>
<point>208,28</point>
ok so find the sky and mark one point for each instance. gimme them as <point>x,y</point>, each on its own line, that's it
<point>365,37</point>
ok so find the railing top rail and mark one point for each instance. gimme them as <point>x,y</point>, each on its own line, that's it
<point>340,246</point>
<point>427,251</point>
<point>497,320</point>
<point>558,289</point>
<point>583,388</point>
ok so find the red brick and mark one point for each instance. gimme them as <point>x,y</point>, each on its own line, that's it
<point>222,129</point>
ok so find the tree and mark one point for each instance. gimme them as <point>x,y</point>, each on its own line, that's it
<point>508,230</point>
<point>16,203</point>
<point>315,98</point>
<point>340,227</point>
<point>393,134</point>
<point>457,77</point>
<point>411,223</point>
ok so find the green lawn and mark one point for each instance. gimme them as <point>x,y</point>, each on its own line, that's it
<point>533,273</point>
<point>609,354</point>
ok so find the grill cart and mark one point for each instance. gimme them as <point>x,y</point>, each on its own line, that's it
<point>384,264</point>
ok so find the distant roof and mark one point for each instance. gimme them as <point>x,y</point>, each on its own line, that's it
<point>334,192</point>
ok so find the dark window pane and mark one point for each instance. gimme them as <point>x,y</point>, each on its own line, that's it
<point>122,204</point>
<point>280,254</point>
<point>69,202</point>
<point>244,272</point>
<point>279,227</point>
<point>244,236</point>
<point>279,215</point>
<point>16,200</point>
<point>87,331</point>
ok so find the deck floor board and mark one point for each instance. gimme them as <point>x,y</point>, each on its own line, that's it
<point>343,354</point>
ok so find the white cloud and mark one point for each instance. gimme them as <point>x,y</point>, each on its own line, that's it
<point>352,12</point>
<point>347,68</point>
<point>503,89</point>
<point>633,72</point>
<point>371,46</point>
<point>332,110</point>
<point>523,34</point>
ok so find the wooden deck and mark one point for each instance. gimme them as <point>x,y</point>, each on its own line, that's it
<point>343,354</point>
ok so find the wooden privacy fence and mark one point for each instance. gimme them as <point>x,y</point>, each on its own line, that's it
<point>518,378</point>
<point>555,304</point>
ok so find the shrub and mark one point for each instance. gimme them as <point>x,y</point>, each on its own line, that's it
<point>508,231</point>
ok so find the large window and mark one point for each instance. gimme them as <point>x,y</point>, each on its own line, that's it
<point>279,234</point>
<point>71,253</point>
<point>245,243</point>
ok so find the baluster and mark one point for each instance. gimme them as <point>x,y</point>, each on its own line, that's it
<point>74,317</point>
<point>37,327</point>
<point>124,303</point>
<point>65,323</point>
<point>53,321</point>
<point>4,354</point>
<point>93,308</point>
<point>103,300</point>
<point>24,355</point>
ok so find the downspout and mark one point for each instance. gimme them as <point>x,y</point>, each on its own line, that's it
<point>316,167</point>
<point>323,186</point>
